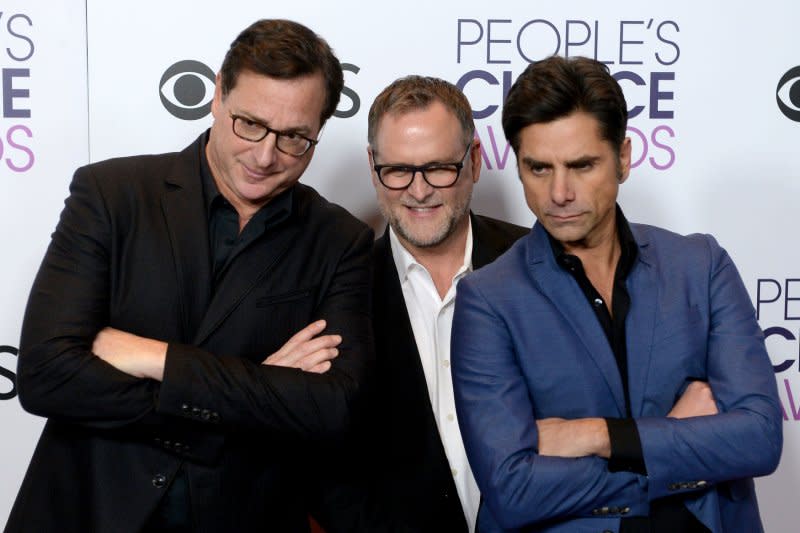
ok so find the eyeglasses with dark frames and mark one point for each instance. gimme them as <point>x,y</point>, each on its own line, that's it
<point>437,175</point>
<point>288,142</point>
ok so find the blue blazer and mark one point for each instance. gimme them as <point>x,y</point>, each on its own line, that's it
<point>526,345</point>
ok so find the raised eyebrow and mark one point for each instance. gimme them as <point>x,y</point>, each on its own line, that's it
<point>583,161</point>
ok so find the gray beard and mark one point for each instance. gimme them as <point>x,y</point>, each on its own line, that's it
<point>440,236</point>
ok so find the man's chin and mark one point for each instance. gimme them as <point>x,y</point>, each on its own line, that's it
<point>421,239</point>
<point>566,235</point>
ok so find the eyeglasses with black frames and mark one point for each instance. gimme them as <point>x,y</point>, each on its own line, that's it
<point>437,175</point>
<point>288,142</point>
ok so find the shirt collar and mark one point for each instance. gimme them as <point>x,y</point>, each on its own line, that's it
<point>628,247</point>
<point>404,261</point>
<point>278,209</point>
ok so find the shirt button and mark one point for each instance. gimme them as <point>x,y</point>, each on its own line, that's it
<point>451,417</point>
<point>445,363</point>
<point>159,480</point>
<point>598,302</point>
<point>454,471</point>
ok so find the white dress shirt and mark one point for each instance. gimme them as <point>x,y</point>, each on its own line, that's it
<point>432,320</point>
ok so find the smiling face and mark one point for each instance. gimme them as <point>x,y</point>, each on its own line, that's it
<point>423,216</point>
<point>571,177</point>
<point>250,174</point>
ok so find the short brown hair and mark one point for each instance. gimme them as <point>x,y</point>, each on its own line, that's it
<point>418,92</point>
<point>555,87</point>
<point>283,49</point>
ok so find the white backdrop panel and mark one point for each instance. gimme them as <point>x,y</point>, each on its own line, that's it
<point>43,137</point>
<point>715,153</point>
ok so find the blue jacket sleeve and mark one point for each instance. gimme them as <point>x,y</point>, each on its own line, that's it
<point>745,438</point>
<point>495,414</point>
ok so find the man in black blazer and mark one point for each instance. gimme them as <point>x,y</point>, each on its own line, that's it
<point>161,335</point>
<point>425,160</point>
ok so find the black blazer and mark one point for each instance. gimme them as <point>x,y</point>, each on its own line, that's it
<point>406,484</point>
<point>131,251</point>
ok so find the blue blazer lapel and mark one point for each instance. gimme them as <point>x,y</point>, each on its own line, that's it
<point>639,327</point>
<point>560,288</point>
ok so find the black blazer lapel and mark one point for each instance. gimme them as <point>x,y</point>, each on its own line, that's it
<point>393,326</point>
<point>184,215</point>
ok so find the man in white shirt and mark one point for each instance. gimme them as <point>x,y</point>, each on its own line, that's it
<point>410,471</point>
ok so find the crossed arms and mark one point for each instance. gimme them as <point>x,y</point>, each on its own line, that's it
<point>534,464</point>
<point>74,368</point>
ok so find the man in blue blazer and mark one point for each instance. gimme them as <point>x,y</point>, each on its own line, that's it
<point>609,376</point>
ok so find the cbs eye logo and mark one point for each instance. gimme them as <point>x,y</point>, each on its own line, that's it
<point>186,89</point>
<point>788,94</point>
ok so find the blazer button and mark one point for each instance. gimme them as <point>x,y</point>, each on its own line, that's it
<point>195,411</point>
<point>185,407</point>
<point>159,480</point>
<point>214,416</point>
<point>205,414</point>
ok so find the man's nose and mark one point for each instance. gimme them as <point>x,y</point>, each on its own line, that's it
<point>561,188</point>
<point>266,150</point>
<point>419,188</point>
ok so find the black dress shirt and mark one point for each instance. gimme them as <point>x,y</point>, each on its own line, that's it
<point>667,515</point>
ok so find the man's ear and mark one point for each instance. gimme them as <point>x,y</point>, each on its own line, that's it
<point>216,102</point>
<point>475,159</point>
<point>624,160</point>
<point>371,160</point>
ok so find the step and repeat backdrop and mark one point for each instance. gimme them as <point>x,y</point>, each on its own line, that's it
<point>713,90</point>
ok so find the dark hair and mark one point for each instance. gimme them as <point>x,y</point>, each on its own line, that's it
<point>418,92</point>
<point>285,50</point>
<point>555,87</point>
